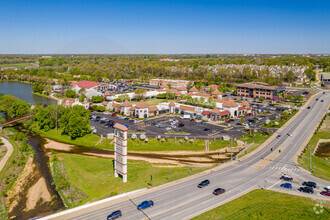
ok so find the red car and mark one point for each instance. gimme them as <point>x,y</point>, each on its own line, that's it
<point>113,114</point>
<point>218,191</point>
<point>192,119</point>
<point>325,193</point>
<point>180,123</point>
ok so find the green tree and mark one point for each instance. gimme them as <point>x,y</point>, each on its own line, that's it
<point>69,93</point>
<point>82,98</point>
<point>97,99</point>
<point>140,94</point>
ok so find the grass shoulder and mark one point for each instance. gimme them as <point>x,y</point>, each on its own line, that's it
<point>264,204</point>
<point>95,176</point>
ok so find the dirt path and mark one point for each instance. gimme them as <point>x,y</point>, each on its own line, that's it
<point>10,150</point>
<point>178,158</point>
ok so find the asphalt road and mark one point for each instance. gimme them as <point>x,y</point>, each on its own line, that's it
<point>184,200</point>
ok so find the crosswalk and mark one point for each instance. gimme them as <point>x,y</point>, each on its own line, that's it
<point>293,169</point>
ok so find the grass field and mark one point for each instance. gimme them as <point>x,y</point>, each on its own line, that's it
<point>18,65</point>
<point>322,165</point>
<point>137,145</point>
<point>151,102</point>
<point>261,204</point>
<point>257,140</point>
<point>95,176</point>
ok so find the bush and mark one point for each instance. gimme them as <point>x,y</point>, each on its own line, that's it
<point>143,136</point>
<point>133,137</point>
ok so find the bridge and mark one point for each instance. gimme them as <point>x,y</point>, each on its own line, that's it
<point>14,120</point>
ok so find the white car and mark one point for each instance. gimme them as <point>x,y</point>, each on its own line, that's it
<point>106,113</point>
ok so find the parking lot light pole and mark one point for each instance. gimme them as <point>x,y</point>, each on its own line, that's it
<point>231,146</point>
<point>310,158</point>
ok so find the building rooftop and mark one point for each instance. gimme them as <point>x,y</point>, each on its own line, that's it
<point>87,84</point>
<point>141,104</point>
<point>256,85</point>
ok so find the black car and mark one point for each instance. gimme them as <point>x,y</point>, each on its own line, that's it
<point>317,99</point>
<point>203,183</point>
<point>309,184</point>
<point>219,191</point>
<point>114,215</point>
<point>306,190</point>
<point>206,129</point>
<point>308,107</point>
<point>322,100</point>
<point>286,178</point>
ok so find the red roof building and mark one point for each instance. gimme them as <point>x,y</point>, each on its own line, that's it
<point>226,112</point>
<point>87,84</point>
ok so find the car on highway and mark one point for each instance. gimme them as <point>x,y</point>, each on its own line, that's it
<point>218,191</point>
<point>309,184</point>
<point>325,193</point>
<point>317,99</point>
<point>286,178</point>
<point>286,185</point>
<point>322,100</point>
<point>278,136</point>
<point>203,183</point>
<point>145,204</point>
<point>290,134</point>
<point>308,107</point>
<point>306,189</point>
<point>114,215</point>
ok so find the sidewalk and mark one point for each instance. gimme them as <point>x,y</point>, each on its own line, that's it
<point>10,150</point>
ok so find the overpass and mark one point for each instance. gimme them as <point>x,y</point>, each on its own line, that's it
<point>261,169</point>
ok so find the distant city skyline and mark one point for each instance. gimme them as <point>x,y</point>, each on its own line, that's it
<point>164,27</point>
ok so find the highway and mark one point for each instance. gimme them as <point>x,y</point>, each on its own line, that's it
<point>262,170</point>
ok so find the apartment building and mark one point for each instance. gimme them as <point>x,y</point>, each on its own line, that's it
<point>256,90</point>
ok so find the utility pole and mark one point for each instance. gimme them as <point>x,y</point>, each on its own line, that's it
<point>310,159</point>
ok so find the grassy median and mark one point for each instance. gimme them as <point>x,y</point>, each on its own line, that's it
<point>262,204</point>
<point>95,176</point>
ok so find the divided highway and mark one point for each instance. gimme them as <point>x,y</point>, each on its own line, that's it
<point>262,170</point>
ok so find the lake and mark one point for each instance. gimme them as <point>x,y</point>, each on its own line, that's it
<point>23,92</point>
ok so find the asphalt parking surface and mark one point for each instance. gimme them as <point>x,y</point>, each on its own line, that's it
<point>192,129</point>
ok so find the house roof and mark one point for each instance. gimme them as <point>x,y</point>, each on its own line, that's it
<point>68,102</point>
<point>132,108</point>
<point>218,100</point>
<point>193,89</point>
<point>226,112</point>
<point>116,105</point>
<point>120,127</point>
<point>105,103</point>
<point>230,103</point>
<point>141,104</point>
<point>164,86</point>
<point>213,86</point>
<point>188,108</point>
<point>172,104</point>
<point>87,84</point>
<point>245,103</point>
<point>107,93</point>
<point>182,88</point>
<point>241,108</point>
<point>206,112</point>
<point>215,111</point>
<point>153,108</point>
<point>216,92</point>
<point>126,104</point>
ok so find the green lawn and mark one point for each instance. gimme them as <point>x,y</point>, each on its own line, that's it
<point>151,102</point>
<point>91,175</point>
<point>18,65</point>
<point>137,145</point>
<point>280,121</point>
<point>262,204</point>
<point>257,140</point>
<point>88,140</point>
<point>322,165</point>
<point>174,144</point>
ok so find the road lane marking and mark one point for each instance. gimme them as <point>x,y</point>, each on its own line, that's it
<point>274,184</point>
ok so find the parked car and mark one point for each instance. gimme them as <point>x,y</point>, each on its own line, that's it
<point>113,114</point>
<point>306,190</point>
<point>286,185</point>
<point>309,184</point>
<point>145,204</point>
<point>192,119</point>
<point>203,183</point>
<point>286,178</point>
<point>114,215</point>
<point>325,193</point>
<point>180,125</point>
<point>206,129</point>
<point>218,191</point>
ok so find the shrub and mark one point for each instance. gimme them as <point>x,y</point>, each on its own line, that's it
<point>133,137</point>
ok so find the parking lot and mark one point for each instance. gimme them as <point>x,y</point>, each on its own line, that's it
<point>177,127</point>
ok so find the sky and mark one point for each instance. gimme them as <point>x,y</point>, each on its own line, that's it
<point>164,27</point>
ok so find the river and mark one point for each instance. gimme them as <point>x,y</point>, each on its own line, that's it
<point>23,92</point>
